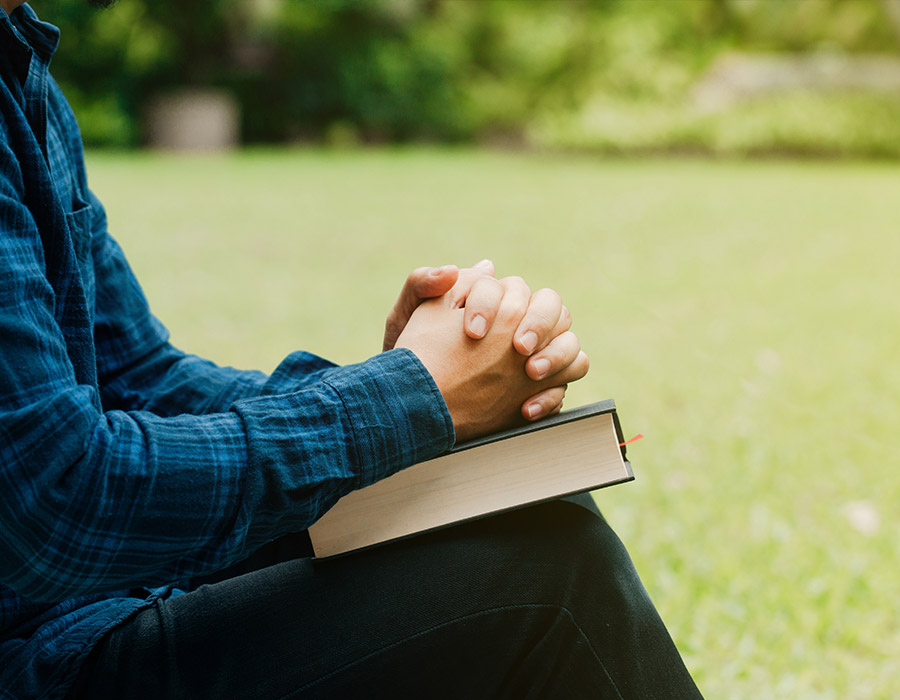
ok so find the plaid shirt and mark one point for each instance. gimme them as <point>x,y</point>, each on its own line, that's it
<point>125,464</point>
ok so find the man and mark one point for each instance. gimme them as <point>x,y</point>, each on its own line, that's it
<point>154,505</point>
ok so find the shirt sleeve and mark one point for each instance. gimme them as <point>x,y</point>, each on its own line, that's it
<point>98,498</point>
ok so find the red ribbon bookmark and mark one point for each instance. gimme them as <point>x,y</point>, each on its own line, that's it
<point>628,442</point>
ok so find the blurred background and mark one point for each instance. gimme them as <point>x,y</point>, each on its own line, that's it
<point>804,77</point>
<point>711,185</point>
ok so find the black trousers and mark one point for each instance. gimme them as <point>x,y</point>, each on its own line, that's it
<point>542,602</point>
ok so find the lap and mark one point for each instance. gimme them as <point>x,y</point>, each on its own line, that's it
<point>483,609</point>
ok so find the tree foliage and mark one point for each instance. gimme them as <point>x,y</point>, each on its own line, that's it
<point>394,70</point>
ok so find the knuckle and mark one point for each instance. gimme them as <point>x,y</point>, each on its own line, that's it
<point>514,308</point>
<point>514,282</point>
<point>548,294</point>
<point>538,321</point>
<point>469,275</point>
<point>556,394</point>
<point>485,291</point>
<point>490,284</point>
<point>545,308</point>
<point>482,270</point>
<point>565,346</point>
<point>515,297</point>
<point>584,363</point>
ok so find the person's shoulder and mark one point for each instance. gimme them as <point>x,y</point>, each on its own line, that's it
<point>63,121</point>
<point>58,105</point>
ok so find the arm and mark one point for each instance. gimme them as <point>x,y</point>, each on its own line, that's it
<point>99,499</point>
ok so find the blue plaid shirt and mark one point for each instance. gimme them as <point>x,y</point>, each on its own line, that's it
<point>125,464</point>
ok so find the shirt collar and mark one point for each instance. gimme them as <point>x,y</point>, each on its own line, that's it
<point>23,29</point>
<point>23,35</point>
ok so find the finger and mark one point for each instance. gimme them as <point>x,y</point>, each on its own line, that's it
<point>429,282</point>
<point>485,267</point>
<point>425,283</point>
<point>563,324</point>
<point>570,373</point>
<point>482,305</point>
<point>422,283</point>
<point>542,317</point>
<point>544,404</point>
<point>516,295</point>
<point>560,353</point>
<point>458,294</point>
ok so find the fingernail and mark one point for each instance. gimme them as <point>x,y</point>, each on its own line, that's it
<point>478,325</point>
<point>529,340</point>
<point>482,263</point>
<point>534,410</point>
<point>437,271</point>
<point>541,366</point>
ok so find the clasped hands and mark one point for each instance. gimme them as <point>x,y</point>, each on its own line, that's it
<point>498,352</point>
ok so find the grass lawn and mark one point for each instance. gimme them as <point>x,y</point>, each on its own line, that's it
<point>743,315</point>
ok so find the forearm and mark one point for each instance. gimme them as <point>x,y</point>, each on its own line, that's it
<point>131,499</point>
<point>169,382</point>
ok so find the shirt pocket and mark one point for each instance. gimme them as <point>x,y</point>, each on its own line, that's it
<point>79,224</point>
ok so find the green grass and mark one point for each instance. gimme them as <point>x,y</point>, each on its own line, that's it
<point>743,315</point>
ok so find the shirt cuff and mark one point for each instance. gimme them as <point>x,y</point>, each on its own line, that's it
<point>297,371</point>
<point>397,413</point>
<point>357,425</point>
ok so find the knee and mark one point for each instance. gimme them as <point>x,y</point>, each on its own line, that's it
<point>574,554</point>
<point>556,552</point>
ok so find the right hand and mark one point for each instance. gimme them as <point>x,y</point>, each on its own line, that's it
<point>484,382</point>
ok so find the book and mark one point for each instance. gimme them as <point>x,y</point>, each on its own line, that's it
<point>572,452</point>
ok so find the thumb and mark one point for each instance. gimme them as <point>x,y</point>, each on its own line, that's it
<point>428,282</point>
<point>422,283</point>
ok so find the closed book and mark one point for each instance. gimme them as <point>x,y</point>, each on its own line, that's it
<point>572,452</point>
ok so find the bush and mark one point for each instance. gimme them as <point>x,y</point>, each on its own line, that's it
<point>807,124</point>
<point>610,75</point>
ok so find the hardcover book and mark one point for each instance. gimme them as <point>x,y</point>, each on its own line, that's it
<point>571,452</point>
